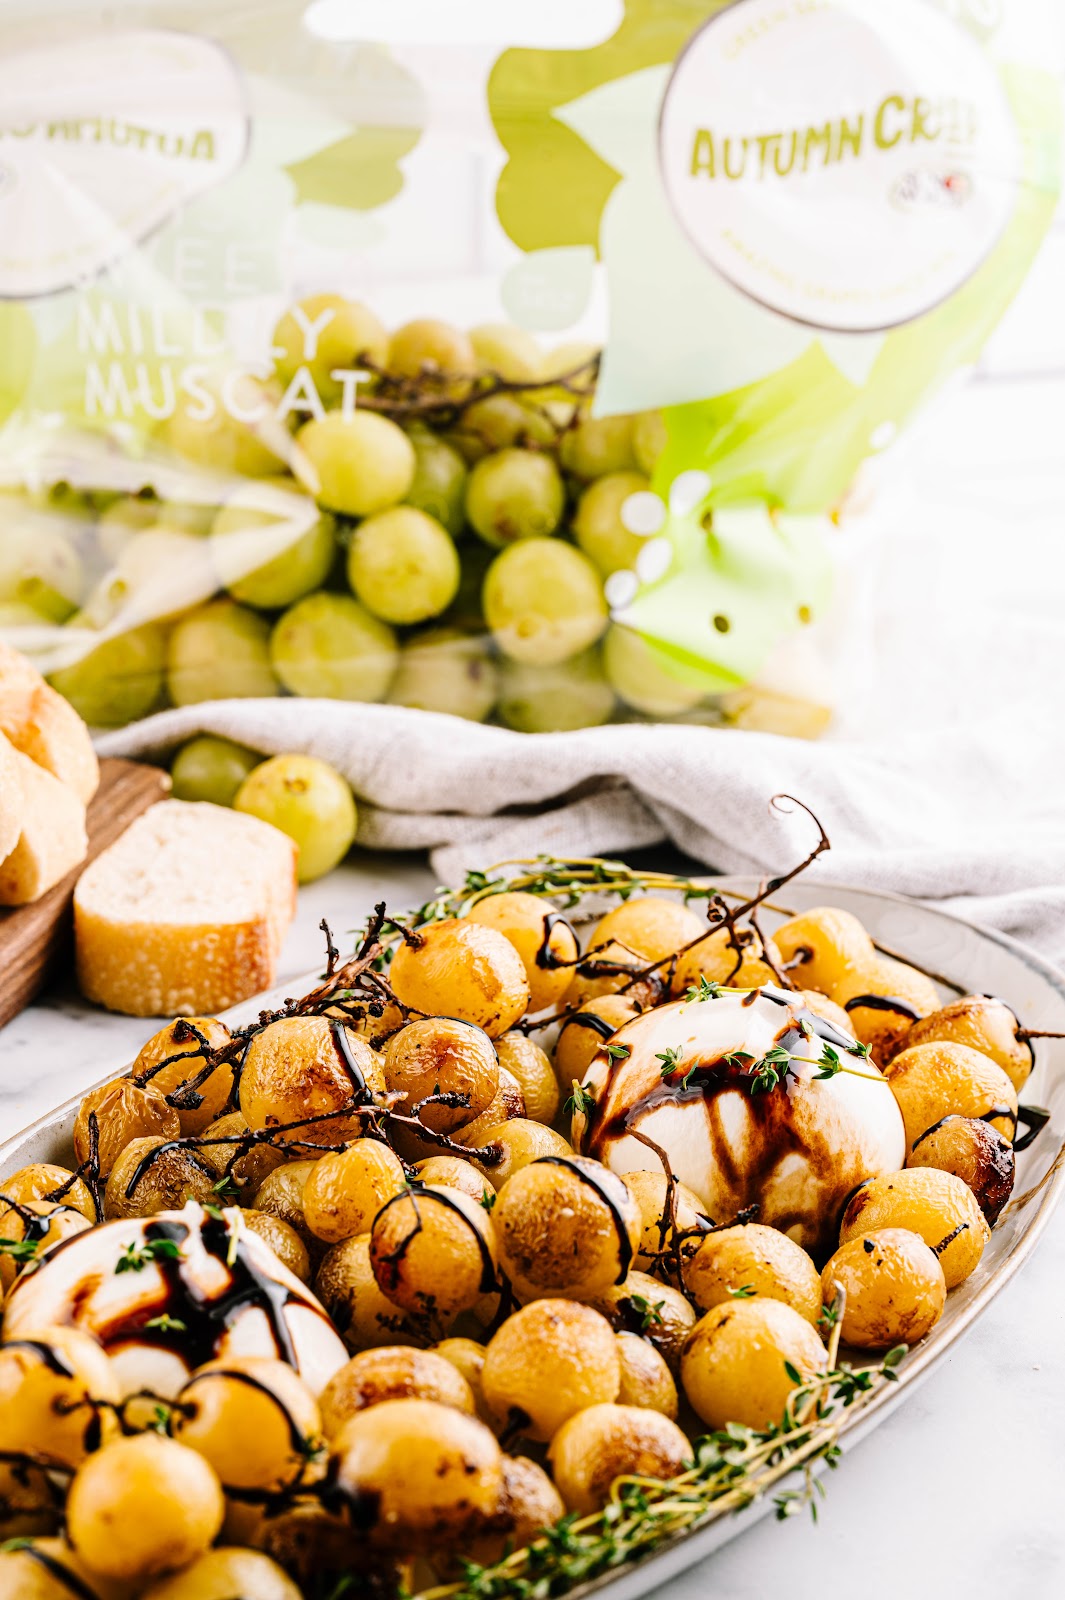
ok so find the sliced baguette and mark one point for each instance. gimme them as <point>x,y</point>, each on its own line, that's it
<point>52,839</point>
<point>185,913</point>
<point>44,726</point>
<point>12,804</point>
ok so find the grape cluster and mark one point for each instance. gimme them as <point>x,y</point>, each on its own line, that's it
<point>442,538</point>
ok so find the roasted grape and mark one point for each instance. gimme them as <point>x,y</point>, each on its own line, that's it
<point>529,1504</point>
<point>446,1071</point>
<point>433,1251</point>
<point>153,1175</point>
<point>115,1114</point>
<point>584,1033</point>
<point>29,1233</point>
<point>239,1166</point>
<point>56,1386</point>
<point>523,1058</point>
<point>742,961</point>
<point>392,1372</point>
<point>645,1376</point>
<point>654,1310</point>
<point>300,1069</point>
<point>735,1366</point>
<point>464,970</point>
<point>454,1173</point>
<point>567,1227</point>
<point>364,1317</point>
<point>975,1152</point>
<point>933,1081</point>
<point>894,1287</point>
<point>983,1023</point>
<point>666,1211</point>
<point>226,1571</point>
<point>548,1361</point>
<point>42,1180</point>
<point>749,1260</point>
<point>432,1474</point>
<point>605,1442</point>
<point>347,1189</point>
<point>253,1420</point>
<point>283,1240</point>
<point>174,1057</point>
<point>542,937</point>
<point>612,968</point>
<point>937,1205</point>
<point>281,1195</point>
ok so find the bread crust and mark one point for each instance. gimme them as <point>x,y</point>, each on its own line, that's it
<point>12,804</point>
<point>52,840</point>
<point>44,726</point>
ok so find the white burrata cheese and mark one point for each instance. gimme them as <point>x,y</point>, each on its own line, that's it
<point>796,1150</point>
<point>224,1293</point>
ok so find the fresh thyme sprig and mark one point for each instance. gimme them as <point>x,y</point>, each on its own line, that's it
<point>581,1100</point>
<point>138,1254</point>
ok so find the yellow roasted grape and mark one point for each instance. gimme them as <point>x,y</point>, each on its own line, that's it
<point>433,1251</point>
<point>184,1038</point>
<point>365,1318</point>
<point>831,945</point>
<point>548,1361</point>
<point>516,1143</point>
<point>253,1419</point>
<point>649,925</point>
<point>894,1287</point>
<point>584,1033</point>
<point>392,1372</point>
<point>43,1180</point>
<point>983,1023</point>
<point>543,939</point>
<point>48,1569</point>
<point>432,1475</point>
<point>507,1104</point>
<point>974,1152</point>
<point>750,1260</point>
<point>605,1442</point>
<point>463,970</point>
<point>567,1228</point>
<point>153,1175</point>
<point>467,1357</point>
<point>529,1504</point>
<point>718,960</point>
<point>299,1069</point>
<point>120,1112</point>
<point>442,1056</point>
<point>454,1173</point>
<point>937,1205</point>
<point>736,1359</point>
<point>143,1505</point>
<point>655,1310</point>
<point>283,1240</point>
<point>651,1192</point>
<point>612,968</point>
<point>523,1058</point>
<point>55,1389</point>
<point>645,1376</point>
<point>27,1234</point>
<point>224,1572</point>
<point>896,993</point>
<point>347,1188</point>
<point>244,1165</point>
<point>281,1195</point>
<point>933,1081</point>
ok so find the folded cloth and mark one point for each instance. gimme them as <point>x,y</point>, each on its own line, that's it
<point>955,827</point>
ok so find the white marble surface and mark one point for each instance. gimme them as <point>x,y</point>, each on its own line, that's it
<point>959,1493</point>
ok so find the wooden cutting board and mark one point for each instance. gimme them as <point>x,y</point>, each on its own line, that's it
<point>35,940</point>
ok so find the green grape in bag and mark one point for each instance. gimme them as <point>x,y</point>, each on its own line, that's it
<point>505,361</point>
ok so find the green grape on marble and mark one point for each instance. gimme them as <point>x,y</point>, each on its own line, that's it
<point>555,699</point>
<point>444,669</point>
<point>219,652</point>
<point>329,645</point>
<point>439,484</point>
<point>508,351</point>
<point>543,601</point>
<point>643,678</point>
<point>514,495</point>
<point>648,439</point>
<point>428,345</point>
<point>307,799</point>
<point>118,680</point>
<point>403,565</point>
<point>364,462</point>
<point>598,445</point>
<point>211,768</point>
<point>326,333</point>
<point>598,526</point>
<point>271,546</point>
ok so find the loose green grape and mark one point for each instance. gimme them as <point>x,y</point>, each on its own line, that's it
<point>598,445</point>
<point>443,669</point>
<point>219,441</point>
<point>516,494</point>
<point>364,462</point>
<point>220,652</point>
<point>543,601</point>
<point>117,681</point>
<point>326,333</point>
<point>643,679</point>
<point>499,422</point>
<point>310,801</point>
<point>266,553</point>
<point>39,567</point>
<point>330,646</point>
<point>502,348</point>
<point>210,768</point>
<point>598,527</point>
<point>430,345</point>
<point>439,484</point>
<point>117,525</point>
<point>555,699</point>
<point>403,565</point>
<point>649,437</point>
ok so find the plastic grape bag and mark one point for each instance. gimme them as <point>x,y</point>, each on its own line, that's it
<point>500,359</point>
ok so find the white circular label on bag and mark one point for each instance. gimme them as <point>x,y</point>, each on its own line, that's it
<point>848,163</point>
<point>103,136</point>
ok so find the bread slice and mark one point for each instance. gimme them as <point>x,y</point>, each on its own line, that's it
<point>185,913</point>
<point>44,726</point>
<point>52,839</point>
<point>12,804</point>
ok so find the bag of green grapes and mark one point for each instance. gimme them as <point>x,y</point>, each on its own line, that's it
<point>504,359</point>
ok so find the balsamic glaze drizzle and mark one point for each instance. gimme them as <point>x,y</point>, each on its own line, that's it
<point>883,1002</point>
<point>250,1382</point>
<point>413,1192</point>
<point>147,1162</point>
<point>63,1575</point>
<point>351,1067</point>
<point>545,956</point>
<point>1033,1119</point>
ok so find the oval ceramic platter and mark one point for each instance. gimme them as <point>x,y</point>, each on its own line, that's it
<point>976,960</point>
